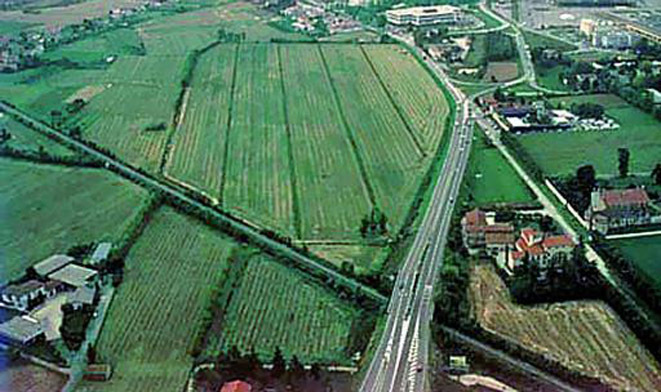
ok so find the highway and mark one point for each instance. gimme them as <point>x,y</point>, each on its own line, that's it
<point>171,191</point>
<point>400,360</point>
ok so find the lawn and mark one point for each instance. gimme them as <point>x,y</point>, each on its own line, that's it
<point>47,209</point>
<point>586,336</point>
<point>274,306</point>
<point>157,311</point>
<point>334,133</point>
<point>536,40</point>
<point>491,179</point>
<point>562,153</point>
<point>644,252</point>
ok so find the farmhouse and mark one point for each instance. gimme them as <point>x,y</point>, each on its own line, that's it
<point>21,330</point>
<point>75,275</point>
<point>24,296</point>
<point>52,264</point>
<point>422,16</point>
<point>480,232</point>
<point>620,209</point>
<point>543,250</point>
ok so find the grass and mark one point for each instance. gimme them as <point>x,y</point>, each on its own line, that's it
<point>123,41</point>
<point>14,26</point>
<point>490,177</point>
<point>157,311</point>
<point>47,209</point>
<point>536,40</point>
<point>275,307</point>
<point>26,139</point>
<point>644,252</point>
<point>586,336</point>
<point>309,157</point>
<point>563,153</point>
<point>550,78</point>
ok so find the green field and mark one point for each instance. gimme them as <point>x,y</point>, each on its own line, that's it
<point>645,253</point>
<point>157,311</point>
<point>536,40</point>
<point>563,153</point>
<point>324,142</point>
<point>491,179</point>
<point>47,209</point>
<point>26,139</point>
<point>274,306</point>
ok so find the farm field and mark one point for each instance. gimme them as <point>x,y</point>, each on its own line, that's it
<point>274,306</point>
<point>491,179</point>
<point>501,71</point>
<point>563,153</point>
<point>157,311</point>
<point>644,252</point>
<point>47,209</point>
<point>26,139</point>
<point>308,159</point>
<point>586,336</point>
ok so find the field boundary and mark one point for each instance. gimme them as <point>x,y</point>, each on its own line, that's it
<point>228,129</point>
<point>349,133</point>
<point>409,129</point>
<point>296,209</point>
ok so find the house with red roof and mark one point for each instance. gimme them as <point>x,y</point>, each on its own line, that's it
<point>619,209</point>
<point>236,386</point>
<point>479,232</point>
<point>542,249</point>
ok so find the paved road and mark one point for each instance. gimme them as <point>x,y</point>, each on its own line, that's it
<point>399,362</point>
<point>173,192</point>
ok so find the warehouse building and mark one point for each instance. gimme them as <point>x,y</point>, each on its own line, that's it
<point>423,16</point>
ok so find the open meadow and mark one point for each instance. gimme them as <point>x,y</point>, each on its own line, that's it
<point>561,153</point>
<point>325,143</point>
<point>491,179</point>
<point>157,311</point>
<point>586,336</point>
<point>26,139</point>
<point>47,209</point>
<point>274,306</point>
<point>645,252</point>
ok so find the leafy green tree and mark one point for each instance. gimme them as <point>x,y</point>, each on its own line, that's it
<point>656,174</point>
<point>623,156</point>
<point>279,364</point>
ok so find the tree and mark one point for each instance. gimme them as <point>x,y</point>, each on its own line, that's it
<point>296,367</point>
<point>499,95</point>
<point>419,38</point>
<point>623,161</point>
<point>586,179</point>
<point>56,117</point>
<point>656,174</point>
<point>279,364</point>
<point>91,354</point>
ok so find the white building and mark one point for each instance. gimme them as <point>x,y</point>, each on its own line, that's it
<point>421,16</point>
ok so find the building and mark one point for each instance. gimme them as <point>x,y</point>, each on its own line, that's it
<point>619,209</point>
<point>23,296</point>
<point>614,39</point>
<point>236,386</point>
<point>424,16</point>
<point>101,252</point>
<point>75,275</point>
<point>479,232</point>
<point>655,96</point>
<point>82,297</point>
<point>51,264</point>
<point>97,372</point>
<point>21,330</point>
<point>588,27</point>
<point>542,249</point>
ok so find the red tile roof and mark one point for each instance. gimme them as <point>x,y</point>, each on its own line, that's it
<point>558,240</point>
<point>236,386</point>
<point>528,234</point>
<point>627,197</point>
<point>475,217</point>
<point>496,238</point>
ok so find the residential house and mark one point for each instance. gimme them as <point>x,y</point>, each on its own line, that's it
<point>480,232</point>
<point>21,330</point>
<point>620,209</point>
<point>543,250</point>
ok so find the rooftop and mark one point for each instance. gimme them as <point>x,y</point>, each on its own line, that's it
<point>21,329</point>
<point>101,252</point>
<point>52,264</point>
<point>23,288</point>
<point>83,295</point>
<point>424,11</point>
<point>74,275</point>
<point>627,197</point>
<point>236,386</point>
